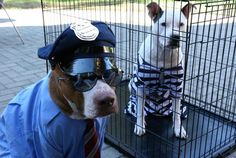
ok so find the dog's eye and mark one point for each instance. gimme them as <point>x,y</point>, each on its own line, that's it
<point>181,24</point>
<point>163,24</point>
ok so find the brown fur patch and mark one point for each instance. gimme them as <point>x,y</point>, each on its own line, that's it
<point>58,88</point>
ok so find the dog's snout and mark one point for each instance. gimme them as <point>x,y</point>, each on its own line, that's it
<point>175,37</point>
<point>174,40</point>
<point>107,101</point>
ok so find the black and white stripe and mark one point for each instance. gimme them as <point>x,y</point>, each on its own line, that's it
<point>159,86</point>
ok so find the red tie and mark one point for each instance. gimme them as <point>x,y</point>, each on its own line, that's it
<point>91,141</point>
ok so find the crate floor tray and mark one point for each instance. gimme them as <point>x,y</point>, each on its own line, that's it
<point>208,134</point>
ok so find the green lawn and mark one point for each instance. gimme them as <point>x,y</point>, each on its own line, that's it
<point>22,3</point>
<point>37,3</point>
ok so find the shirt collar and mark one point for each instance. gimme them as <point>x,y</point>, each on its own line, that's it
<point>49,108</point>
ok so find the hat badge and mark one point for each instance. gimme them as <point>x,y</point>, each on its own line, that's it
<point>85,31</point>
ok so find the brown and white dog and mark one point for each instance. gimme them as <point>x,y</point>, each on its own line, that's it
<point>63,114</point>
<point>100,101</point>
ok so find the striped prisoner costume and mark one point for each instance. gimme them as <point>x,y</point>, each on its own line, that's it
<point>160,85</point>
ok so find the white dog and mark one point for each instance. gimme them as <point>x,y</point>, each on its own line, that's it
<point>156,86</point>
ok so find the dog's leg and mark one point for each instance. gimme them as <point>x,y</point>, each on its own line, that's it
<point>139,128</point>
<point>178,128</point>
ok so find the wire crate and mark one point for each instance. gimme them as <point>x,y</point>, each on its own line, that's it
<point>209,90</point>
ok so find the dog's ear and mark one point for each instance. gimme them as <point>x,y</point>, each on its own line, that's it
<point>187,9</point>
<point>154,10</point>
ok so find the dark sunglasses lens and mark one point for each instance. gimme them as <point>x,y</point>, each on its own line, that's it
<point>112,77</point>
<point>85,82</point>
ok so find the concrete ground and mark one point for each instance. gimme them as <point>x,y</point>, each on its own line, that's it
<point>19,64</point>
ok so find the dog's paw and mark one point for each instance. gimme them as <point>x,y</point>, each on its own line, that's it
<point>180,132</point>
<point>139,130</point>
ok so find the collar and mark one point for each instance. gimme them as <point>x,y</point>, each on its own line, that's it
<point>49,107</point>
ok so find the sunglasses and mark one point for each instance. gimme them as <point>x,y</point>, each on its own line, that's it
<point>86,81</point>
<point>84,72</point>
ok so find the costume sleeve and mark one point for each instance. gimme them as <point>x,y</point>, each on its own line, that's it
<point>4,146</point>
<point>13,139</point>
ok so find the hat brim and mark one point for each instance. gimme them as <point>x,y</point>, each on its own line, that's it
<point>44,52</point>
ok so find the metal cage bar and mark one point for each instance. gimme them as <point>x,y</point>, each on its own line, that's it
<point>209,90</point>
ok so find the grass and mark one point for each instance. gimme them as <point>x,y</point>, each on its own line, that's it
<point>37,3</point>
<point>81,3</point>
<point>22,3</point>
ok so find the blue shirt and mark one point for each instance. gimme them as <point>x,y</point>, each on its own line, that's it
<point>32,126</point>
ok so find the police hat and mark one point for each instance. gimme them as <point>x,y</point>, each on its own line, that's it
<point>80,35</point>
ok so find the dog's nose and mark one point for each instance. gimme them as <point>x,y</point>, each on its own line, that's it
<point>175,40</point>
<point>105,100</point>
<point>175,37</point>
<point>108,101</point>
